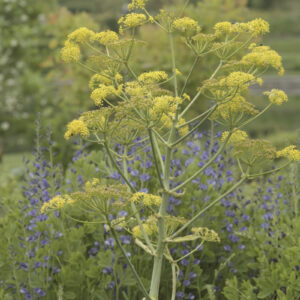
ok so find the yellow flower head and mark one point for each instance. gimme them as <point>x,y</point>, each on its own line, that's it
<point>81,35</point>
<point>290,152</point>
<point>153,77</point>
<point>91,184</point>
<point>135,4</point>
<point>77,127</point>
<point>229,110</point>
<point>131,20</point>
<point>236,137</point>
<point>137,233</point>
<point>258,27</point>
<point>57,202</point>
<point>183,130</point>
<point>97,79</point>
<point>146,199</point>
<point>277,96</point>
<point>206,234</point>
<point>164,105</point>
<point>263,57</point>
<point>102,92</point>
<point>106,38</point>
<point>70,52</point>
<point>240,80</point>
<point>223,27</point>
<point>187,26</point>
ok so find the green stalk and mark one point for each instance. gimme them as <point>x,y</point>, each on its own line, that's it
<point>155,158</point>
<point>204,167</point>
<point>191,221</point>
<point>137,277</point>
<point>189,75</point>
<point>200,90</point>
<point>133,207</point>
<point>158,259</point>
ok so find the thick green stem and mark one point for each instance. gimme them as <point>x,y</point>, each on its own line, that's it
<point>158,259</point>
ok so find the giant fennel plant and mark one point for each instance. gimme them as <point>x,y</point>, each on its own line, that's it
<point>142,109</point>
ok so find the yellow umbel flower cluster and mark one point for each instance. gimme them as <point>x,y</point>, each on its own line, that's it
<point>290,152</point>
<point>97,79</point>
<point>131,21</point>
<point>135,90</point>
<point>91,184</point>
<point>135,4</point>
<point>276,96</point>
<point>182,130</point>
<point>70,52</point>
<point>236,137</point>
<point>230,110</point>
<point>255,151</point>
<point>263,57</point>
<point>206,234</point>
<point>81,35</point>
<point>240,80</point>
<point>103,92</point>
<point>77,127</point>
<point>57,202</point>
<point>187,26</point>
<point>95,119</point>
<point>153,77</point>
<point>149,229</point>
<point>164,105</point>
<point>223,27</point>
<point>145,199</point>
<point>256,27</point>
<point>106,38</point>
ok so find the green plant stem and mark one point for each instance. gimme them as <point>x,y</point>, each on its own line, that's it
<point>158,259</point>
<point>204,167</point>
<point>173,281</point>
<point>250,176</point>
<point>191,221</point>
<point>189,75</point>
<point>200,90</point>
<point>195,128</point>
<point>118,168</point>
<point>133,206</point>
<point>173,64</point>
<point>198,117</point>
<point>153,147</point>
<point>137,277</point>
<point>190,253</point>
<point>256,116</point>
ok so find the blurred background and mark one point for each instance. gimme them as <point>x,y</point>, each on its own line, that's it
<point>33,79</point>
